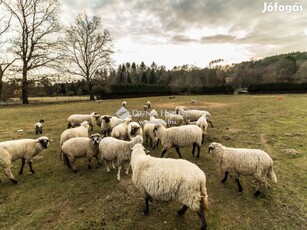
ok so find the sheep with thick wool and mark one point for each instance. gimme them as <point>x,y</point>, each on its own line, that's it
<point>181,136</point>
<point>149,132</point>
<point>241,161</point>
<point>174,119</point>
<point>194,114</point>
<point>157,121</point>
<point>121,131</point>
<point>170,179</point>
<point>134,129</point>
<point>111,149</point>
<point>23,149</point>
<point>81,131</point>
<point>79,147</point>
<point>108,123</point>
<point>203,124</point>
<point>76,119</point>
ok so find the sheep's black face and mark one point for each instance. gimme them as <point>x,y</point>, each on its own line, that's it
<point>44,143</point>
<point>210,148</point>
<point>107,119</point>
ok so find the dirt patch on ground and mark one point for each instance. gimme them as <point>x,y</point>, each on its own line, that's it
<point>189,105</point>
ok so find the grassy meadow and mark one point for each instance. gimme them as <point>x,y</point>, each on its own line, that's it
<point>56,198</point>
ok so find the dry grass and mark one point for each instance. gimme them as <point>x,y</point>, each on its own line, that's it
<point>56,198</point>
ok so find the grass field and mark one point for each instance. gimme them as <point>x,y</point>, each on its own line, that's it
<point>56,198</point>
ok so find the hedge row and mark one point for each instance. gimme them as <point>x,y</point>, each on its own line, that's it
<point>277,88</point>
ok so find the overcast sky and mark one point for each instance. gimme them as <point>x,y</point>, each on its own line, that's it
<point>177,32</point>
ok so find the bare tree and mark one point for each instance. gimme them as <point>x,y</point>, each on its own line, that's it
<point>4,63</point>
<point>86,49</point>
<point>36,21</point>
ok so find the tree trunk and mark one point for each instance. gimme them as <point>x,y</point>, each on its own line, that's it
<point>90,89</point>
<point>24,88</point>
<point>1,76</point>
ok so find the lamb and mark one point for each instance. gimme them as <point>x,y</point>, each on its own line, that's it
<point>241,161</point>
<point>124,104</point>
<point>179,107</point>
<point>134,129</point>
<point>76,119</point>
<point>108,123</point>
<point>157,121</point>
<point>121,131</point>
<point>174,119</point>
<point>203,124</point>
<point>23,149</point>
<point>111,149</point>
<point>80,147</point>
<point>81,131</point>
<point>170,179</point>
<point>148,132</point>
<point>181,136</point>
<point>39,127</point>
<point>153,113</point>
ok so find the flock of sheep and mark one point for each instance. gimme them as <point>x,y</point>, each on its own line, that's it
<point>121,141</point>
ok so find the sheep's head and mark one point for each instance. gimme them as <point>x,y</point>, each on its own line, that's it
<point>95,115</point>
<point>134,130</point>
<point>41,121</point>
<point>44,141</point>
<point>139,146</point>
<point>214,146</point>
<point>95,138</point>
<point>138,139</point>
<point>106,119</point>
<point>156,128</point>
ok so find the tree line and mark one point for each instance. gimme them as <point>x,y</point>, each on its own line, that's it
<point>35,49</point>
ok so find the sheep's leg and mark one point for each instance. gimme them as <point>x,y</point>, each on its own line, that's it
<point>177,150</point>
<point>164,150</point>
<point>118,172</point>
<point>72,163</point>
<point>147,199</point>
<point>201,215</point>
<point>8,173</point>
<point>225,177</point>
<point>98,161</point>
<point>198,150</point>
<point>30,166</point>
<point>194,146</point>
<point>158,141</point>
<point>182,210</point>
<point>113,165</point>
<point>23,162</point>
<point>107,166</point>
<point>239,185</point>
<point>127,170</point>
<point>89,165</point>
<point>210,123</point>
<point>146,138</point>
<point>203,138</point>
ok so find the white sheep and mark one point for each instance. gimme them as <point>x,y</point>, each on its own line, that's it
<point>149,132</point>
<point>76,119</point>
<point>203,124</point>
<point>39,127</point>
<point>179,107</point>
<point>157,121</point>
<point>108,123</point>
<point>194,115</point>
<point>78,147</point>
<point>134,129</point>
<point>153,113</point>
<point>170,179</point>
<point>81,131</point>
<point>23,149</point>
<point>174,119</point>
<point>111,149</point>
<point>121,131</point>
<point>241,161</point>
<point>124,104</point>
<point>181,136</point>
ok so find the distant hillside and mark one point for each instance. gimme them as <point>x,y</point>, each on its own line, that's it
<point>283,68</point>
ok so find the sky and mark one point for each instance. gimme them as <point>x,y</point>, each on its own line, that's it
<point>195,32</point>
